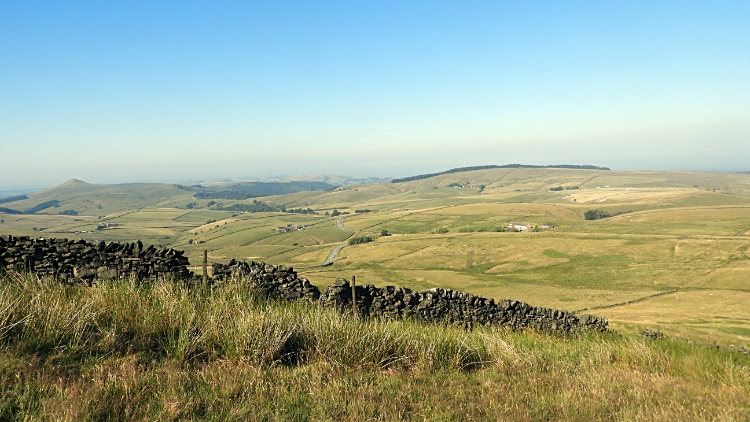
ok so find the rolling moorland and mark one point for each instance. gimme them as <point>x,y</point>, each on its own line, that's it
<point>684,231</point>
<point>683,234</point>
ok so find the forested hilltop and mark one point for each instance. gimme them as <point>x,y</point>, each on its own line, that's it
<point>505,166</point>
<point>247,190</point>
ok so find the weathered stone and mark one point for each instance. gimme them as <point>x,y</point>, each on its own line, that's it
<point>82,272</point>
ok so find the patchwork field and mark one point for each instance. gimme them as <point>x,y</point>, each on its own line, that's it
<point>684,231</point>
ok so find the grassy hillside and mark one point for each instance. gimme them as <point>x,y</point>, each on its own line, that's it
<point>95,200</point>
<point>164,352</point>
<point>685,231</point>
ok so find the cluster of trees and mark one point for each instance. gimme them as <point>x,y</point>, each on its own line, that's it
<point>256,206</point>
<point>13,198</point>
<point>43,206</point>
<point>599,214</point>
<point>559,188</point>
<point>36,208</point>
<point>259,206</point>
<point>362,211</point>
<point>463,169</point>
<point>358,240</point>
<point>298,210</point>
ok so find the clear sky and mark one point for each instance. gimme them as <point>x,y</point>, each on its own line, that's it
<point>163,91</point>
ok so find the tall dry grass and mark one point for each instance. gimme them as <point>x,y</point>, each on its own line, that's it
<point>163,351</point>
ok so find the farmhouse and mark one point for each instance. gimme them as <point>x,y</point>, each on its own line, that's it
<point>292,227</point>
<point>521,227</point>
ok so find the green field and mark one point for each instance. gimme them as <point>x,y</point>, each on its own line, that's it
<point>685,231</point>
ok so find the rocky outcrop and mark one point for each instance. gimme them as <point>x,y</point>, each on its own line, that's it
<point>79,261</point>
<point>454,307</point>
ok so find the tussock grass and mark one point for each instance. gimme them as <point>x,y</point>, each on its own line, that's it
<point>162,351</point>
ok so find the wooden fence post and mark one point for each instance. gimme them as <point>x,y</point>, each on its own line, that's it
<point>354,296</point>
<point>205,266</point>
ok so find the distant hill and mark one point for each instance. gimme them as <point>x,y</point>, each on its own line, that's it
<point>90,199</point>
<point>336,180</point>
<point>463,169</point>
<point>247,190</point>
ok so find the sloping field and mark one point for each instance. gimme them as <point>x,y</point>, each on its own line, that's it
<point>685,231</point>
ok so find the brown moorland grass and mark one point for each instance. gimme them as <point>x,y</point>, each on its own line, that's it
<point>165,352</point>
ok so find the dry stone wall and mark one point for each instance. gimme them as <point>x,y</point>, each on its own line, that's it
<point>272,281</point>
<point>77,261</point>
<point>80,262</point>
<point>458,308</point>
<point>434,305</point>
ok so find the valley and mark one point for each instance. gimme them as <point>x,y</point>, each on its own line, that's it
<point>683,231</point>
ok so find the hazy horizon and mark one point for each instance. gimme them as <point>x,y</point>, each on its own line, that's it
<point>169,91</point>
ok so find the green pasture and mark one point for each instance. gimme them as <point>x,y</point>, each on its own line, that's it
<point>571,271</point>
<point>328,233</point>
<point>688,231</point>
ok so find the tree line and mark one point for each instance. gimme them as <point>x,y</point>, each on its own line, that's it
<point>504,166</point>
<point>599,214</point>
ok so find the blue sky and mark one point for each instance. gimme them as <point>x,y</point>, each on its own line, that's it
<point>164,91</point>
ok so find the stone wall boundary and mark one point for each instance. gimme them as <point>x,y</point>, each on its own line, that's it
<point>630,302</point>
<point>80,262</point>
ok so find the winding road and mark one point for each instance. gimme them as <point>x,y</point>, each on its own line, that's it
<point>331,257</point>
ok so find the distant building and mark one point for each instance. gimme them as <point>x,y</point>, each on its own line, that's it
<point>291,228</point>
<point>521,227</point>
<point>546,226</point>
